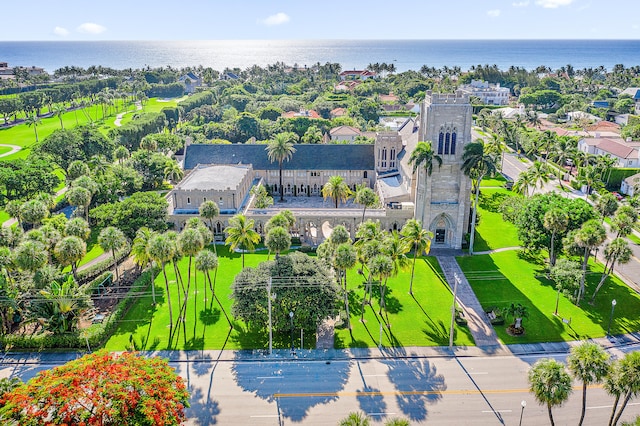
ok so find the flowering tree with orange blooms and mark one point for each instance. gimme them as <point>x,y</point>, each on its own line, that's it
<point>100,389</point>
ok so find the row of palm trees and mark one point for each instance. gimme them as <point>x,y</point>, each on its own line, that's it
<point>590,364</point>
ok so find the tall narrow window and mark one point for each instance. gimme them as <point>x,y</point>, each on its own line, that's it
<point>453,143</point>
<point>446,143</point>
<point>392,156</point>
<point>384,157</point>
<point>440,143</point>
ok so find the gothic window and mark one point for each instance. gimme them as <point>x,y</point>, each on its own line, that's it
<point>392,157</point>
<point>188,200</point>
<point>365,174</point>
<point>446,143</point>
<point>440,143</point>
<point>453,143</point>
<point>384,158</point>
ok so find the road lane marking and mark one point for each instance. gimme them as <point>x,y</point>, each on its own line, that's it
<point>609,406</point>
<point>416,392</point>
<point>265,416</point>
<point>497,411</point>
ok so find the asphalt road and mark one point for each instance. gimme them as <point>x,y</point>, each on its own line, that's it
<point>434,390</point>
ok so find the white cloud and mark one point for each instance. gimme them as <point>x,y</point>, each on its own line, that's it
<point>277,19</point>
<point>61,31</point>
<point>553,4</point>
<point>91,28</point>
<point>521,4</point>
<point>494,13</point>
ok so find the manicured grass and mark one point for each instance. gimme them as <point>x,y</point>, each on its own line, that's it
<point>492,231</point>
<point>509,277</point>
<point>4,216</point>
<point>422,321</point>
<point>4,149</point>
<point>498,180</point>
<point>633,238</point>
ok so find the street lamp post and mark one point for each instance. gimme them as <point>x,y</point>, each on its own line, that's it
<point>613,306</point>
<point>523,404</point>
<point>453,312</point>
<point>291,317</point>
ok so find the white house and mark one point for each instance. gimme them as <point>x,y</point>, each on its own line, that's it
<point>628,184</point>
<point>634,92</point>
<point>489,94</point>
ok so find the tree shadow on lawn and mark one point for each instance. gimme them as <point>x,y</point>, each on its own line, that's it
<point>499,291</point>
<point>491,201</point>
<point>285,382</point>
<point>418,384</point>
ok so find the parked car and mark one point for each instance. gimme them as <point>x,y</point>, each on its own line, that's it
<point>618,196</point>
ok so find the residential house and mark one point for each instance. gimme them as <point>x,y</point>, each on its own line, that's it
<point>489,94</point>
<point>626,153</point>
<point>634,92</point>
<point>628,185</point>
<point>190,81</point>
<point>357,75</point>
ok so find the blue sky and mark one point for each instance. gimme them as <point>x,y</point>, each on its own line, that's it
<point>309,20</point>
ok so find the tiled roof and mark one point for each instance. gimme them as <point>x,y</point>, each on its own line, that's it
<point>345,131</point>
<point>619,149</point>
<point>304,113</point>
<point>306,157</point>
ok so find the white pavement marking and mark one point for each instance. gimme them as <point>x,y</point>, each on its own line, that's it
<point>609,406</point>
<point>497,411</point>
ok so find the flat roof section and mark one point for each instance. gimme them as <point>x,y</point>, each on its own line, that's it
<point>216,178</point>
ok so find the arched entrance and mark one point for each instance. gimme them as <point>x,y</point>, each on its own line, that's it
<point>442,228</point>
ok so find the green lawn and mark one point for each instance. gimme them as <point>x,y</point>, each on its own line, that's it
<point>492,231</point>
<point>422,321</point>
<point>498,180</point>
<point>509,277</point>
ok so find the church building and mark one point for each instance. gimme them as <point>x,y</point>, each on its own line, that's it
<point>440,201</point>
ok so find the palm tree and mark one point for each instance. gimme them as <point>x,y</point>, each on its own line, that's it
<point>381,265</point>
<point>624,380</point>
<point>550,384</point>
<point>33,120</point>
<point>476,163</point>
<point>69,251</point>
<point>589,236</point>
<point>205,262</point>
<point>190,242</point>
<point>161,249</point>
<point>337,189</point>
<point>523,183</point>
<point>77,227</point>
<point>424,155</point>
<point>539,174</point>
<point>616,251</point>
<point>589,363</point>
<point>556,221</point>
<point>366,197</point>
<point>346,258</point>
<point>30,256</point>
<point>419,239</point>
<point>121,153</point>
<point>281,149</point>
<point>278,240</point>
<point>624,220</point>
<point>209,210</point>
<point>14,208</point>
<point>112,239</point>
<point>140,253</point>
<point>61,306</point>
<point>355,419</point>
<point>240,234</point>
<point>58,111</point>
<point>79,197</point>
<point>172,171</point>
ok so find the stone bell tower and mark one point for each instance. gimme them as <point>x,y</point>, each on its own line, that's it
<point>442,200</point>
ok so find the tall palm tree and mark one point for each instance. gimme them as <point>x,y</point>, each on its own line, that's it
<point>69,251</point>
<point>240,234</point>
<point>190,242</point>
<point>476,163</point>
<point>278,240</point>
<point>539,174</point>
<point>556,221</point>
<point>337,189</point>
<point>346,258</point>
<point>589,363</point>
<point>161,249</point>
<point>209,210</point>
<point>112,239</point>
<point>523,184</point>
<point>419,239</point>
<point>617,251</point>
<point>205,262</point>
<point>172,171</point>
<point>424,156</point>
<point>58,111</point>
<point>79,197</point>
<point>281,149</point>
<point>550,384</point>
<point>30,256</point>
<point>140,253</point>
<point>623,382</point>
<point>121,153</point>
<point>589,236</point>
<point>33,120</point>
<point>366,197</point>
<point>381,265</point>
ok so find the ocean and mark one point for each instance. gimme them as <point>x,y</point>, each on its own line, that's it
<point>351,54</point>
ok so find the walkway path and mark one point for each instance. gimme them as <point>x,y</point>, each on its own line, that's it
<point>117,121</point>
<point>12,221</point>
<point>478,323</point>
<point>497,250</point>
<point>14,149</point>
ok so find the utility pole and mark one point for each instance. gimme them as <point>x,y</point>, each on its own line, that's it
<point>270,325</point>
